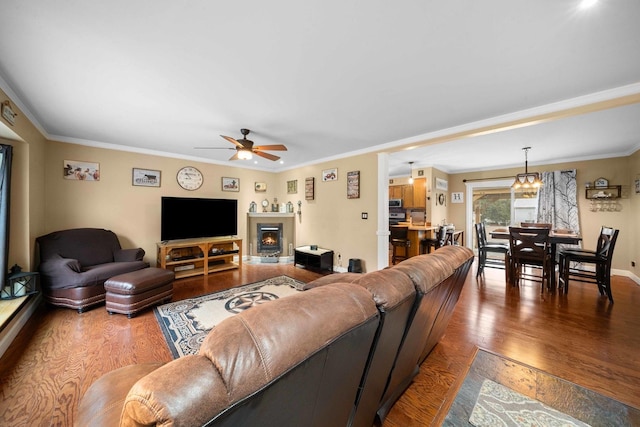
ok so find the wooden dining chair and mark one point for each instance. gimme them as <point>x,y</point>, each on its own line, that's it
<point>485,248</point>
<point>574,263</point>
<point>399,240</point>
<point>530,248</point>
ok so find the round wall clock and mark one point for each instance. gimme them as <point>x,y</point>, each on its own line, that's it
<point>189,178</point>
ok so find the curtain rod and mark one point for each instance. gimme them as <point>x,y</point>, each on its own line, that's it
<point>488,179</point>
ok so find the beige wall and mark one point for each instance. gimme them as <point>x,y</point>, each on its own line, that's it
<point>133,213</point>
<point>333,221</point>
<point>27,189</point>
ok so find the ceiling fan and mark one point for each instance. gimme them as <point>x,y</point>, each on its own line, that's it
<point>245,148</point>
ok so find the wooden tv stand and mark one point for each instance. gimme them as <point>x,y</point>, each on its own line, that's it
<point>194,257</point>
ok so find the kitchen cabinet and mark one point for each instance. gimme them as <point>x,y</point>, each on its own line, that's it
<point>413,195</point>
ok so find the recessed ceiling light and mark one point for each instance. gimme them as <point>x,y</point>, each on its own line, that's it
<point>586,4</point>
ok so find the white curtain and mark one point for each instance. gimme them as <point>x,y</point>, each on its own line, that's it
<point>558,201</point>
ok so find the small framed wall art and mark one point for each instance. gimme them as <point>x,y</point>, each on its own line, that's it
<point>230,184</point>
<point>330,174</point>
<point>81,171</point>
<point>442,184</point>
<point>292,186</point>
<point>260,187</point>
<point>457,197</point>
<point>353,185</point>
<point>145,177</point>
<point>309,188</point>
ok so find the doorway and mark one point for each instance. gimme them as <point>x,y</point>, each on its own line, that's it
<point>497,205</point>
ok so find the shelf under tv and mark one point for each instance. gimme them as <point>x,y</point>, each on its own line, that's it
<point>189,257</point>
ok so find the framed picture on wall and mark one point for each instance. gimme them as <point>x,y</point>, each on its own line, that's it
<point>81,171</point>
<point>330,174</point>
<point>309,188</point>
<point>292,186</point>
<point>442,184</point>
<point>230,184</point>
<point>145,177</point>
<point>353,185</point>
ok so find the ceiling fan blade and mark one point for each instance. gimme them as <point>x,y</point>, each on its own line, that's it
<point>234,157</point>
<point>266,155</point>
<point>213,148</point>
<point>276,147</point>
<point>233,141</point>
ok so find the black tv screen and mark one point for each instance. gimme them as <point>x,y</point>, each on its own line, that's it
<point>188,218</point>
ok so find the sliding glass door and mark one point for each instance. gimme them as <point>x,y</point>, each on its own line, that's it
<point>498,206</point>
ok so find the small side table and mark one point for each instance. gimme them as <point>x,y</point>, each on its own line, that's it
<point>319,259</point>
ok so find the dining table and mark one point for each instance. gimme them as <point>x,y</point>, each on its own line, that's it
<point>556,237</point>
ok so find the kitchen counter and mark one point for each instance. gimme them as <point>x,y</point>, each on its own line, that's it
<point>417,233</point>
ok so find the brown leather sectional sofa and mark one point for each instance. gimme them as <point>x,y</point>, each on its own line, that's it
<point>338,354</point>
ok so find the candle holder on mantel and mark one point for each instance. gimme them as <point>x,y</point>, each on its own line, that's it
<point>19,284</point>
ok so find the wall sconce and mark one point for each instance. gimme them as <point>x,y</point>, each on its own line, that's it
<point>19,284</point>
<point>299,208</point>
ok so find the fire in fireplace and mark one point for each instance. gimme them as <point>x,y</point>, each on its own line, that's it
<point>269,238</point>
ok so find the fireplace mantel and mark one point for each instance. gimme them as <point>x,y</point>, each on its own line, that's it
<point>271,214</point>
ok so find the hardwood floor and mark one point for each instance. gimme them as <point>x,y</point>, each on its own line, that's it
<point>578,337</point>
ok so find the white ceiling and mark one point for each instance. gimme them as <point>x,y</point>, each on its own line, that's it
<point>326,77</point>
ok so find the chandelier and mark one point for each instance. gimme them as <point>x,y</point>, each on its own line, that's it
<point>527,180</point>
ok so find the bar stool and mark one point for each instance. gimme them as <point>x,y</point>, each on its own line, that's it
<point>435,243</point>
<point>399,239</point>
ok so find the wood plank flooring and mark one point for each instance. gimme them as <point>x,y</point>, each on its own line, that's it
<point>578,337</point>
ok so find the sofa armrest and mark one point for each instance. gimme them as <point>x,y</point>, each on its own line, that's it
<point>125,255</point>
<point>102,404</point>
<point>56,264</point>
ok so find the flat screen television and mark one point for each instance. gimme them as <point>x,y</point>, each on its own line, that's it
<point>188,218</point>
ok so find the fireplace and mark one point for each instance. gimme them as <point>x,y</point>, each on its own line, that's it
<point>269,238</point>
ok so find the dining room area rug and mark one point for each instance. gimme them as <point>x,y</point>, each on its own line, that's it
<point>187,322</point>
<point>498,391</point>
<point>498,405</point>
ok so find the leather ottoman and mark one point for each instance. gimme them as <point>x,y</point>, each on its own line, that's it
<point>132,292</point>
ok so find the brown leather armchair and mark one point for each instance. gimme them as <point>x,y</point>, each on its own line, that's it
<point>75,263</point>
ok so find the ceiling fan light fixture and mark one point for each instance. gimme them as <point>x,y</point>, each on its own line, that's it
<point>527,180</point>
<point>245,155</point>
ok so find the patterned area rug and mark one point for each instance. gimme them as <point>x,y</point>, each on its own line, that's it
<point>185,323</point>
<point>498,405</point>
<point>534,385</point>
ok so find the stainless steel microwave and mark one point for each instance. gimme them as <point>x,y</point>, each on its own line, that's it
<point>395,203</point>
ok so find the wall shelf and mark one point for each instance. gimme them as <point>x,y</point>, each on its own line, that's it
<point>604,193</point>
